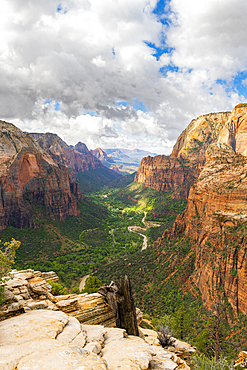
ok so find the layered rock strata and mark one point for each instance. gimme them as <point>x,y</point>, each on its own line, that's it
<point>101,155</point>
<point>30,290</point>
<point>76,159</point>
<point>43,339</point>
<point>178,171</point>
<point>42,336</point>
<point>29,176</point>
<point>216,215</point>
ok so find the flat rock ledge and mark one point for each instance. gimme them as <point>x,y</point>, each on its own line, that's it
<point>46,339</point>
<point>39,331</point>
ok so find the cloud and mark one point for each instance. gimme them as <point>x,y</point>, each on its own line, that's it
<point>89,55</point>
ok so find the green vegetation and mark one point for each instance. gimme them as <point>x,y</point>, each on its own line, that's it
<point>98,243</point>
<point>57,289</point>
<point>122,181</point>
<point>94,180</point>
<point>7,255</point>
<point>204,363</point>
<point>92,284</point>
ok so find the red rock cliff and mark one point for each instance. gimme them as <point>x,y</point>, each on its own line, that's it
<point>29,176</point>
<point>216,216</point>
<point>76,159</point>
<point>178,171</point>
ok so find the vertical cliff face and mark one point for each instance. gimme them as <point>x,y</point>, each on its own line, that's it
<point>216,216</point>
<point>76,159</point>
<point>30,176</point>
<point>178,171</point>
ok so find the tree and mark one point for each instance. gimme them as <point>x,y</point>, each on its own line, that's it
<point>57,289</point>
<point>213,339</point>
<point>92,284</point>
<point>182,318</point>
<point>7,255</point>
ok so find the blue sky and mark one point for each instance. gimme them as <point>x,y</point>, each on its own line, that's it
<point>126,73</point>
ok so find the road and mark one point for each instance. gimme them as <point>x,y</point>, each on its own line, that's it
<point>82,283</point>
<point>137,229</point>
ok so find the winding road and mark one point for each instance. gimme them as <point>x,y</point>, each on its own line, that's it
<point>137,229</point>
<point>82,282</point>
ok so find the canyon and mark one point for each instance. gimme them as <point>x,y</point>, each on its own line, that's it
<point>178,171</point>
<point>209,163</point>
<point>30,176</point>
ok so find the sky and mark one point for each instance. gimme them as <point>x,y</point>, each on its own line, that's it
<point>120,73</point>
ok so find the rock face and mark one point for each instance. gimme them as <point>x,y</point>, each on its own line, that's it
<point>216,215</point>
<point>101,155</point>
<point>178,171</point>
<point>76,159</point>
<point>43,339</point>
<point>42,336</point>
<point>30,290</point>
<point>30,176</point>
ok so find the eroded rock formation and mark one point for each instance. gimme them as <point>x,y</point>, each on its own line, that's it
<point>43,339</point>
<point>30,290</point>
<point>42,336</point>
<point>216,215</point>
<point>178,171</point>
<point>29,176</point>
<point>76,159</point>
<point>101,155</point>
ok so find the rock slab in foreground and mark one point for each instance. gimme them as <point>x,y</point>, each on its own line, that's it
<point>44,339</point>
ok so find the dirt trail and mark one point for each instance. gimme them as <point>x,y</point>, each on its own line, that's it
<point>82,283</point>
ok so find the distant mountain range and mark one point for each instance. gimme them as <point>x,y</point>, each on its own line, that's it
<point>128,155</point>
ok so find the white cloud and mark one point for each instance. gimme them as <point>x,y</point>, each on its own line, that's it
<point>91,54</point>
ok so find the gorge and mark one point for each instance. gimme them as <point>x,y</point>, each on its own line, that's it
<point>197,195</point>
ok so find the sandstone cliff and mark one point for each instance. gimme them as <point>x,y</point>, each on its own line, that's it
<point>216,215</point>
<point>76,159</point>
<point>29,176</point>
<point>178,171</point>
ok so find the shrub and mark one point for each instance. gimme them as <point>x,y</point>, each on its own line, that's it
<point>7,255</point>
<point>92,284</point>
<point>164,337</point>
<point>57,289</point>
<point>204,363</point>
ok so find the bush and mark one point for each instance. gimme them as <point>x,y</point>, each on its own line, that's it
<point>57,289</point>
<point>92,284</point>
<point>203,363</point>
<point>7,255</point>
<point>164,337</point>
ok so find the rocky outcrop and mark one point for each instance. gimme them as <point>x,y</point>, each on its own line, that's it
<point>29,176</point>
<point>106,160</point>
<point>30,290</point>
<point>178,171</point>
<point>216,215</point>
<point>43,339</point>
<point>76,159</point>
<point>42,336</point>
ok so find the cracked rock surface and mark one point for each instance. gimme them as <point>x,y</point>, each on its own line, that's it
<point>52,340</point>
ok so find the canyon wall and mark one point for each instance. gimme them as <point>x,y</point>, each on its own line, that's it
<point>216,216</point>
<point>30,177</point>
<point>76,159</point>
<point>178,171</point>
